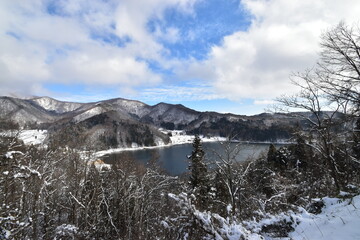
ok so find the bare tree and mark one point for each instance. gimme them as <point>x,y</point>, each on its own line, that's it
<point>329,93</point>
<point>339,66</point>
<point>230,176</point>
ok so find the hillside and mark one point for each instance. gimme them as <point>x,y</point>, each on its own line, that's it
<point>121,122</point>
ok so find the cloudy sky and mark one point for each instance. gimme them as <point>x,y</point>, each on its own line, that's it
<point>218,55</point>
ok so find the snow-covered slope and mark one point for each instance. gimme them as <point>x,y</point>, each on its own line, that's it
<point>338,220</point>
<point>130,106</point>
<point>23,111</point>
<point>33,137</point>
<point>89,113</point>
<point>170,116</point>
<point>51,104</point>
<point>177,114</point>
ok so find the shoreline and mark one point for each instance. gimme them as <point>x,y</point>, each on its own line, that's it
<point>180,140</point>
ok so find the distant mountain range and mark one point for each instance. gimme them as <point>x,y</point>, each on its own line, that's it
<point>122,122</point>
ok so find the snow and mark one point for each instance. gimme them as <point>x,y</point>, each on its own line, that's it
<point>4,234</point>
<point>11,153</point>
<point>8,133</point>
<point>21,175</point>
<point>178,137</point>
<point>55,105</point>
<point>338,220</point>
<point>89,113</point>
<point>33,137</point>
<point>29,137</point>
<point>134,107</point>
<point>221,228</point>
<point>66,231</point>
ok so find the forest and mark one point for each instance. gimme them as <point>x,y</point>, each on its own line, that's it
<point>60,193</point>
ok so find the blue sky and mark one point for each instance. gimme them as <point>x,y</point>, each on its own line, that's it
<point>211,55</point>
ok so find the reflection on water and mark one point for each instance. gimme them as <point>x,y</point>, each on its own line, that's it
<point>174,159</point>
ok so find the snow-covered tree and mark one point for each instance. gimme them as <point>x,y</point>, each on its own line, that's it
<point>330,94</point>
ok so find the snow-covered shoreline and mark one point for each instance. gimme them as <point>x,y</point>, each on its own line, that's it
<point>177,138</point>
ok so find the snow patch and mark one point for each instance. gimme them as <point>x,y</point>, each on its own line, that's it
<point>33,137</point>
<point>338,220</point>
<point>55,105</point>
<point>89,113</point>
<point>11,153</point>
<point>179,137</point>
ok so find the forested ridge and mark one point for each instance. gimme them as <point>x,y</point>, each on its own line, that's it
<point>59,192</point>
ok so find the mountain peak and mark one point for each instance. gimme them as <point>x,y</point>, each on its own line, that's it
<point>54,105</point>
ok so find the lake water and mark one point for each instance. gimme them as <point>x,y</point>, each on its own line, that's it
<point>174,158</point>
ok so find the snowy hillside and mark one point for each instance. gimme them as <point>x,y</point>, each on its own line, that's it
<point>89,113</point>
<point>33,137</point>
<point>133,107</point>
<point>176,114</point>
<point>23,111</point>
<point>55,105</point>
<point>339,219</point>
<point>49,113</point>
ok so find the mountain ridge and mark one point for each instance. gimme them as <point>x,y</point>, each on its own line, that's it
<point>119,122</point>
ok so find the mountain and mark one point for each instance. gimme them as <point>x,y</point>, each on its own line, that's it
<point>24,111</point>
<point>122,122</point>
<point>56,106</point>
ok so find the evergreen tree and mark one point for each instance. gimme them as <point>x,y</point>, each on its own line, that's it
<point>271,156</point>
<point>199,177</point>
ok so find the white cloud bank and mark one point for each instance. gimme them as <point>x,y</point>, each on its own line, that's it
<point>77,41</point>
<point>98,43</point>
<point>283,38</point>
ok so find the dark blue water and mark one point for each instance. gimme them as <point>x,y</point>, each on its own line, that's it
<point>174,159</point>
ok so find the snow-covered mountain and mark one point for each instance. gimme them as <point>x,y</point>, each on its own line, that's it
<point>46,109</point>
<point>51,104</point>
<point>24,111</point>
<point>129,118</point>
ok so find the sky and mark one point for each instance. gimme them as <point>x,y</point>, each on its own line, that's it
<point>210,55</point>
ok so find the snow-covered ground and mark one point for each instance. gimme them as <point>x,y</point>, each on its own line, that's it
<point>177,137</point>
<point>29,137</point>
<point>33,137</point>
<point>339,219</point>
<point>180,137</point>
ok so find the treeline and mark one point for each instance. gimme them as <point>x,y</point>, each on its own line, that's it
<point>104,131</point>
<point>244,131</point>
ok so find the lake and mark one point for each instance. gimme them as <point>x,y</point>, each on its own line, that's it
<point>174,158</point>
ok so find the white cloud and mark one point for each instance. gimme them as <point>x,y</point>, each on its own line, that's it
<point>178,94</point>
<point>264,102</point>
<point>283,38</point>
<point>55,42</point>
<point>98,65</point>
<point>62,47</point>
